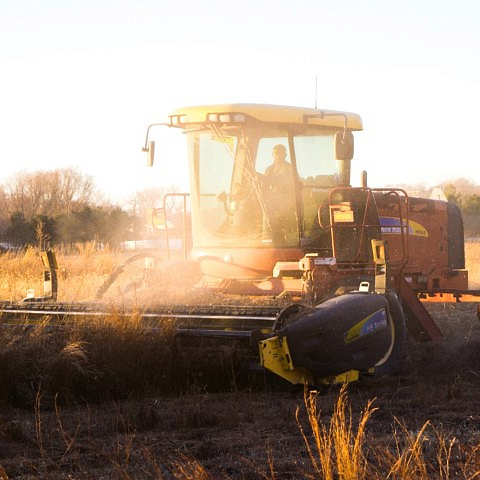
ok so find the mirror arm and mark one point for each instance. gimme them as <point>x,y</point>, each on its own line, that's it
<point>145,148</point>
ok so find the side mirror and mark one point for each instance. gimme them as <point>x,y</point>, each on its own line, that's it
<point>150,149</point>
<point>344,145</point>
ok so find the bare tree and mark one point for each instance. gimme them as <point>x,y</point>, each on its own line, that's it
<point>4,217</point>
<point>75,188</point>
<point>463,186</point>
<point>49,193</point>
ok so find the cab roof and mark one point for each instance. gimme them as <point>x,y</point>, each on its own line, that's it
<point>265,113</point>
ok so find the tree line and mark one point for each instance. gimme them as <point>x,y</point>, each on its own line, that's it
<point>63,206</point>
<point>465,194</point>
<point>462,192</point>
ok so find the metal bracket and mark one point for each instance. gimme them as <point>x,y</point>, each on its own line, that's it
<point>50,281</point>
<point>378,248</point>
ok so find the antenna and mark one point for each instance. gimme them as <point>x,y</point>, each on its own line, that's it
<point>316,90</point>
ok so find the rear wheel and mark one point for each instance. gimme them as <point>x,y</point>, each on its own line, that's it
<point>130,275</point>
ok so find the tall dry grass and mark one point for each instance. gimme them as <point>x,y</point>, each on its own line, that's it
<point>338,448</point>
<point>472,264</point>
<point>92,360</point>
<point>341,450</point>
<point>82,269</point>
<point>110,359</point>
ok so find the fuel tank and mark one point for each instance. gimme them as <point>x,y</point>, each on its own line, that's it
<point>350,332</point>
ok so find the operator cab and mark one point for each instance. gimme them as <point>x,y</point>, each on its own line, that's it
<point>258,174</point>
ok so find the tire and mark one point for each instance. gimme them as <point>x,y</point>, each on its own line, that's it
<point>391,363</point>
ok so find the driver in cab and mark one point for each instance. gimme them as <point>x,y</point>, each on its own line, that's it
<point>280,200</point>
<point>279,173</point>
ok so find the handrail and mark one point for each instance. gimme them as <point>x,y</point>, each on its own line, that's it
<point>362,226</point>
<point>184,229</point>
<point>404,228</point>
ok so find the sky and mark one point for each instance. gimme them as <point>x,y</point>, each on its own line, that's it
<point>80,81</point>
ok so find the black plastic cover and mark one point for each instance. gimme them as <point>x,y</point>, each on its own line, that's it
<point>349,332</point>
<point>456,245</point>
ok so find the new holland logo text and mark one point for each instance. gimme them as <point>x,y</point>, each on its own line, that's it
<point>392,225</point>
<point>368,325</point>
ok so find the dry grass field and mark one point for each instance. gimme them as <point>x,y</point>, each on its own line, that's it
<point>472,261</point>
<point>114,401</point>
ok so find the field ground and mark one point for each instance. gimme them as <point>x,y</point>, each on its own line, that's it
<point>237,429</point>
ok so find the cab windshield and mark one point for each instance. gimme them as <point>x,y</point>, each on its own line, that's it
<point>260,186</point>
